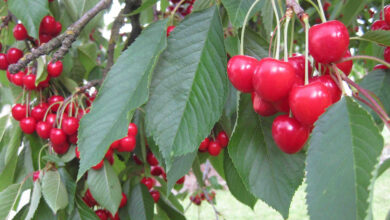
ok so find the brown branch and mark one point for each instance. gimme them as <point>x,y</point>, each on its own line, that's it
<point>296,7</point>
<point>5,20</point>
<point>64,40</point>
<point>135,24</point>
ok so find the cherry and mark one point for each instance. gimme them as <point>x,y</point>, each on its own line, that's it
<point>156,195</point>
<point>99,165</point>
<point>13,55</point>
<point>262,107</point>
<point>70,125</point>
<point>102,214</point>
<point>308,102</point>
<point>61,148</point>
<point>77,152</point>
<point>380,25</point>
<point>44,38</point>
<point>73,138</point>
<point>36,175</point>
<point>380,66</point>
<point>43,129</point>
<point>289,134</point>
<point>223,139</point>
<point>9,76</point>
<point>44,83</point>
<point>298,63</point>
<point>20,32</point>
<point>48,25</point>
<point>58,28</point>
<point>57,136</point>
<point>38,112</point>
<point>273,79</point>
<point>386,9</point>
<point>29,82</point>
<point>169,30</point>
<point>54,69</point>
<point>156,171</point>
<point>17,78</point>
<point>28,125</point>
<point>88,199</point>
<point>386,53</point>
<point>328,41</point>
<point>19,111</point>
<point>3,61</point>
<point>115,144</point>
<point>204,144</point>
<point>181,180</point>
<point>240,71</point>
<point>71,107</point>
<point>330,84</point>
<point>148,182</point>
<point>214,148</point>
<point>51,119</point>
<point>132,130</point>
<point>123,201</point>
<point>127,144</point>
<point>137,160</point>
<point>53,99</point>
<point>346,67</point>
<point>152,160</point>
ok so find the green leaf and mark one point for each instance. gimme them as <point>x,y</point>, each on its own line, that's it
<point>35,198</point>
<point>147,4</point>
<point>21,215</point>
<point>140,205</point>
<point>217,163</point>
<point>235,183</point>
<point>378,82</point>
<point>383,167</point>
<point>105,187</point>
<point>237,9</point>
<point>202,4</point>
<point>54,191</point>
<point>267,15</point>
<point>189,87</point>
<point>14,143</point>
<point>351,9</point>
<point>41,73</point>
<point>30,13</point>
<point>180,167</point>
<point>8,198</point>
<point>267,172</point>
<point>85,212</point>
<point>87,56</point>
<point>232,45</point>
<point>44,212</point>
<point>344,151</point>
<point>171,211</point>
<point>70,185</point>
<point>124,89</point>
<point>3,124</point>
<point>255,45</point>
<point>378,37</point>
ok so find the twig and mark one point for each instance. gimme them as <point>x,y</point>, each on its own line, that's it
<point>5,20</point>
<point>64,40</point>
<point>296,7</point>
<point>135,24</point>
<point>207,195</point>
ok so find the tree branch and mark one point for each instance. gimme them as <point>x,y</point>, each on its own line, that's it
<point>64,40</point>
<point>135,24</point>
<point>296,7</point>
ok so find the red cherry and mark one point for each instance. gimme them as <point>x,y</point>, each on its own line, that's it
<point>28,125</point>
<point>123,201</point>
<point>38,112</point>
<point>204,145</point>
<point>17,78</point>
<point>36,175</point>
<point>156,195</point>
<point>44,83</point>
<point>148,182</point>
<point>70,125</point>
<point>169,30</point>
<point>20,32</point>
<point>48,25</point>
<point>346,67</point>
<point>156,171</point>
<point>73,138</point>
<point>132,130</point>
<point>137,160</point>
<point>57,136</point>
<point>13,55</point>
<point>262,107</point>
<point>223,139</point>
<point>54,69</point>
<point>330,84</point>
<point>3,61</point>
<point>289,134</point>
<point>43,129</point>
<point>58,28</point>
<point>88,199</point>
<point>53,99</point>
<point>328,41</point>
<point>61,148</point>
<point>51,119</point>
<point>214,148</point>
<point>127,144</point>
<point>115,144</point>
<point>99,165</point>
<point>19,111</point>
<point>380,25</point>
<point>102,214</point>
<point>240,71</point>
<point>9,76</point>
<point>380,66</point>
<point>386,53</point>
<point>298,63</point>
<point>386,9</point>
<point>44,38</point>
<point>29,82</point>
<point>181,180</point>
<point>152,160</point>
<point>77,152</point>
<point>273,79</point>
<point>308,102</point>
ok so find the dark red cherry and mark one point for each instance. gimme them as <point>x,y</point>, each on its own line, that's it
<point>70,125</point>
<point>48,25</point>
<point>57,136</point>
<point>386,9</point>
<point>156,171</point>
<point>223,139</point>
<point>273,79</point>
<point>181,180</point>
<point>20,32</point>
<point>204,145</point>
<point>38,112</point>
<point>289,135</point>
<point>99,165</point>
<point>240,71</point>
<point>13,55</point>
<point>152,160</point>
<point>3,61</point>
<point>58,28</point>
<point>17,78</point>
<point>156,195</point>
<point>19,111</point>
<point>346,67</point>
<point>308,102</point>
<point>298,63</point>
<point>29,82</point>
<point>73,138</point>
<point>44,83</point>
<point>43,129</point>
<point>330,84</point>
<point>148,182</point>
<point>132,130</point>
<point>123,201</point>
<point>386,53</point>
<point>262,107</point>
<point>169,30</point>
<point>328,41</point>
<point>380,66</point>
<point>54,69</point>
<point>214,148</point>
<point>28,125</point>
<point>380,25</point>
<point>102,214</point>
<point>127,144</point>
<point>61,148</point>
<point>53,99</point>
<point>51,119</point>
<point>44,38</point>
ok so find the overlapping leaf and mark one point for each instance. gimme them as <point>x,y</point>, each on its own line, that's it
<point>8,199</point>
<point>54,191</point>
<point>140,204</point>
<point>237,9</point>
<point>378,37</point>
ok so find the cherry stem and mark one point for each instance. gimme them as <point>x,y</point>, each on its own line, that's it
<point>338,78</point>
<point>364,57</point>
<point>244,26</point>
<point>27,103</point>
<point>278,29</point>
<point>39,155</point>
<point>23,96</point>
<point>48,109</point>
<point>288,18</point>
<point>174,10</point>
<point>322,14</point>
<point>292,36</point>
<point>307,25</point>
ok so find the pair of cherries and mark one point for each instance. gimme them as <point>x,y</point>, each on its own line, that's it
<point>198,198</point>
<point>214,147</point>
<point>149,182</point>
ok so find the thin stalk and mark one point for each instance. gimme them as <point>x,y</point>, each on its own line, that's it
<point>338,77</point>
<point>322,14</point>
<point>288,18</point>
<point>39,155</point>
<point>292,36</point>
<point>314,6</point>
<point>364,57</point>
<point>306,21</point>
<point>174,10</point>
<point>244,26</point>
<point>278,29</point>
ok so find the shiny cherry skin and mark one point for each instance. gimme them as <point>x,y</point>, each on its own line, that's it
<point>330,84</point>
<point>156,195</point>
<point>132,130</point>
<point>380,25</point>
<point>123,201</point>
<point>70,125</point>
<point>115,145</point>
<point>99,165</point>
<point>152,160</point>
<point>53,99</point>
<point>51,119</point>
<point>262,107</point>
<point>17,78</point>
<point>36,175</point>
<point>223,139</point>
<point>214,148</point>
<point>386,53</point>
<point>13,55</point>
<point>55,69</point>
<point>58,28</point>
<point>48,25</point>
<point>19,111</point>
<point>38,112</point>
<point>43,129</point>
<point>328,41</point>
<point>127,144</point>
<point>204,145</point>
<point>3,61</point>
<point>273,79</point>
<point>88,199</point>
<point>29,82</point>
<point>289,135</point>
<point>156,171</point>
<point>308,102</point>
<point>380,66</point>
<point>61,148</point>
<point>240,71</point>
<point>346,67</point>
<point>284,105</point>
<point>148,182</point>
<point>169,30</point>
<point>28,125</point>
<point>102,214</point>
<point>20,32</point>
<point>386,9</point>
<point>181,180</point>
<point>57,136</point>
<point>298,63</point>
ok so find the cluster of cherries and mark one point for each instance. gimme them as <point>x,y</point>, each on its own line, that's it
<point>102,213</point>
<point>383,24</point>
<point>214,146</point>
<point>198,198</point>
<point>184,9</point>
<point>278,86</point>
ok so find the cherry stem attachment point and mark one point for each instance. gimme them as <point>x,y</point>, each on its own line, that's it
<point>244,26</point>
<point>278,29</point>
